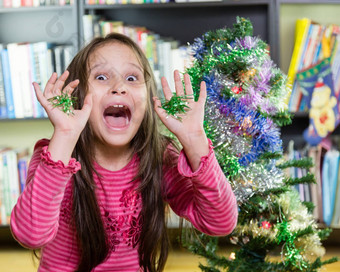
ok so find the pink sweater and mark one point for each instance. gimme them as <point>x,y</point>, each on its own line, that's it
<point>41,217</point>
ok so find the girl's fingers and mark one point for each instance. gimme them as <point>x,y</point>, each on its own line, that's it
<point>71,86</point>
<point>58,85</point>
<point>203,93</point>
<point>87,107</point>
<point>39,94</point>
<point>166,88</point>
<point>50,83</point>
<point>158,109</point>
<point>178,83</point>
<point>188,86</point>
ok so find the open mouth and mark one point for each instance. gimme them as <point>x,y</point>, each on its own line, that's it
<point>117,116</point>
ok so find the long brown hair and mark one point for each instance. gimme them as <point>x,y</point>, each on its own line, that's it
<point>149,144</point>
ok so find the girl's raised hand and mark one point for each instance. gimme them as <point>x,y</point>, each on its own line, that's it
<point>70,124</point>
<point>189,129</point>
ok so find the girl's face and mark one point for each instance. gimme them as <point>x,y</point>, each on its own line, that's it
<point>116,81</point>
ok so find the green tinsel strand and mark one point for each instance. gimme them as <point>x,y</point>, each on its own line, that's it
<point>309,205</point>
<point>278,83</point>
<point>324,233</point>
<point>282,118</point>
<point>329,261</point>
<point>207,269</point>
<point>276,191</point>
<point>228,162</point>
<point>195,73</point>
<point>303,232</point>
<point>64,101</point>
<point>269,156</point>
<point>176,105</point>
<point>304,163</point>
<point>307,179</point>
<point>293,257</point>
<point>242,28</point>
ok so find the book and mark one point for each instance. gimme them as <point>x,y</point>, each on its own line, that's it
<point>24,74</point>
<point>7,84</point>
<point>16,72</point>
<point>23,159</point>
<point>7,3</point>
<point>336,208</point>
<point>10,182</point>
<point>329,184</point>
<point>3,106</point>
<point>3,219</point>
<point>44,61</point>
<point>301,32</point>
<point>59,59</point>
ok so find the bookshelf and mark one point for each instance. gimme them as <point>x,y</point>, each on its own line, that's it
<point>52,24</point>
<point>288,12</point>
<point>185,21</point>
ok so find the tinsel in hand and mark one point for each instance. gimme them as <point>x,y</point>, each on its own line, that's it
<point>177,105</point>
<point>64,102</point>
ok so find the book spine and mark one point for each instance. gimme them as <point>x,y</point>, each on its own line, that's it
<point>2,193</point>
<point>13,179</point>
<point>6,188</point>
<point>26,87</point>
<point>3,106</point>
<point>14,65</point>
<point>7,84</point>
<point>22,170</point>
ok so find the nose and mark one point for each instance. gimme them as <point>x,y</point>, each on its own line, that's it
<point>118,87</point>
<point>118,91</point>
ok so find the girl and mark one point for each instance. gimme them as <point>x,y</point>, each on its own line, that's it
<point>95,192</point>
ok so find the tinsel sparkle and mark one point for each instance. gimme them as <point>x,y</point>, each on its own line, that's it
<point>176,105</point>
<point>64,102</point>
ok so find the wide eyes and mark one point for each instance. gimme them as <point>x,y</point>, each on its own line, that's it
<point>130,78</point>
<point>101,77</point>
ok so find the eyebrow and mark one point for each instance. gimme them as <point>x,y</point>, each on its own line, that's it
<point>103,64</point>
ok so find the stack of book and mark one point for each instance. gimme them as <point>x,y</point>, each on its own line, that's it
<point>314,43</point>
<point>24,63</point>
<point>13,173</point>
<point>325,193</point>
<point>164,54</point>
<point>33,3</point>
<point>123,2</point>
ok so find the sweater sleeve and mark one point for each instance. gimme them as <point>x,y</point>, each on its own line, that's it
<point>35,217</point>
<point>203,197</point>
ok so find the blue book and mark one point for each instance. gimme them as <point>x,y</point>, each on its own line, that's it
<point>7,84</point>
<point>37,111</point>
<point>22,170</point>
<point>3,107</point>
<point>329,184</point>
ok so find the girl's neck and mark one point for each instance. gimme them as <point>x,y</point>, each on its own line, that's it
<point>112,158</point>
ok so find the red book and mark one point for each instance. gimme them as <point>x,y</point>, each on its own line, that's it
<point>7,3</point>
<point>26,3</point>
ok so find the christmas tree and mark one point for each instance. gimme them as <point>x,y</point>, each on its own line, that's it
<point>244,112</point>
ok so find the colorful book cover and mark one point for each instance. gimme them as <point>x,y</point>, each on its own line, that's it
<point>317,83</point>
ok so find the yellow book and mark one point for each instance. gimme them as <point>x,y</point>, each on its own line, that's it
<point>301,32</point>
<point>326,41</point>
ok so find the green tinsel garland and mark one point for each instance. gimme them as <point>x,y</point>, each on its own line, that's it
<point>64,101</point>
